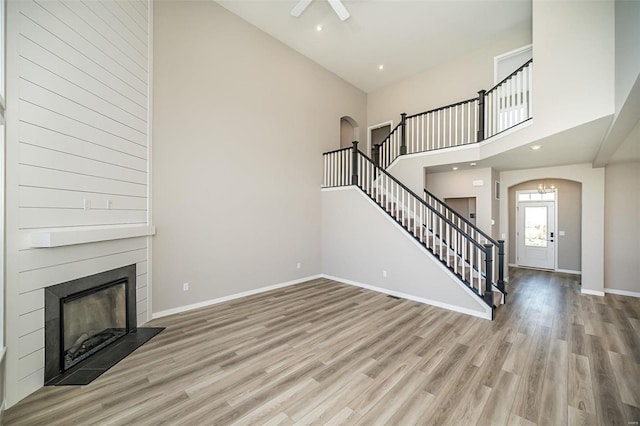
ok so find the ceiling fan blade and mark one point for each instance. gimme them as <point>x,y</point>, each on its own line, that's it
<point>300,7</point>
<point>339,8</point>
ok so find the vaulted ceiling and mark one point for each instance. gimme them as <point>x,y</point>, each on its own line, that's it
<point>404,36</point>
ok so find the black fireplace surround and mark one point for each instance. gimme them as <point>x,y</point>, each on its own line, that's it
<point>56,295</point>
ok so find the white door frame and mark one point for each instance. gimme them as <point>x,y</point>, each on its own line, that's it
<point>557,226</point>
<point>376,126</point>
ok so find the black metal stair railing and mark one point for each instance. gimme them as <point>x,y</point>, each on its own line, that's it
<point>468,257</point>
<point>493,111</point>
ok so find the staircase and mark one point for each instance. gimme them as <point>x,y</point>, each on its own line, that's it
<point>463,248</point>
<point>469,253</point>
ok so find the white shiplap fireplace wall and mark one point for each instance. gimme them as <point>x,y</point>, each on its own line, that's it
<point>77,160</point>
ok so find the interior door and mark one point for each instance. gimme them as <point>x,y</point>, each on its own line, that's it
<point>536,234</point>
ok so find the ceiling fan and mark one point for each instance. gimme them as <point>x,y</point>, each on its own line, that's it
<point>337,6</point>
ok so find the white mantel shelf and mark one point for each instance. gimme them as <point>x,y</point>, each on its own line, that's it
<point>93,234</point>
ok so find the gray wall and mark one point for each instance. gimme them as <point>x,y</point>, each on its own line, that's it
<point>569,205</point>
<point>240,124</point>
<point>452,81</point>
<point>459,183</point>
<point>627,34</point>
<point>622,227</point>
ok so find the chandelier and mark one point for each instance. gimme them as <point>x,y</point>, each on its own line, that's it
<point>543,189</point>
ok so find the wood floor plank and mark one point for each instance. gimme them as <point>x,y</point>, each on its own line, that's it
<point>608,403</point>
<point>323,352</point>
<point>627,375</point>
<point>553,404</point>
<point>578,417</point>
<point>497,409</point>
<point>580,388</point>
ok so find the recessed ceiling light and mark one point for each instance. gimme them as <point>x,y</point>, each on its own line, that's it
<point>536,147</point>
<point>380,67</point>
<point>472,164</point>
<point>454,168</point>
<point>318,27</point>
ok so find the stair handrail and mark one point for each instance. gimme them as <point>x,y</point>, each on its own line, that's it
<point>462,218</point>
<point>479,120</point>
<point>523,66</point>
<point>423,202</point>
<point>443,107</point>
<point>359,178</point>
<point>498,243</point>
<point>350,166</point>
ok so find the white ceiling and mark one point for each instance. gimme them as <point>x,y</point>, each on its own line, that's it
<point>407,37</point>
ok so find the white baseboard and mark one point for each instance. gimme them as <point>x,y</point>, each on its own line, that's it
<point>483,315</point>
<point>622,292</point>
<point>222,299</point>
<point>569,271</point>
<point>4,400</point>
<point>592,292</point>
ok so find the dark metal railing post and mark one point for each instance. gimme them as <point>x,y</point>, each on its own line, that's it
<point>376,154</point>
<point>403,133</point>
<point>481,94</point>
<point>500,283</point>
<point>354,164</point>
<point>488,275</point>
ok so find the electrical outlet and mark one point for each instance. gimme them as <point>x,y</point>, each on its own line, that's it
<point>86,204</point>
<point>384,274</point>
<point>185,286</point>
<point>298,265</point>
<point>109,204</point>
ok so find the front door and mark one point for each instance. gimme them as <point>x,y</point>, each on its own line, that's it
<point>536,234</point>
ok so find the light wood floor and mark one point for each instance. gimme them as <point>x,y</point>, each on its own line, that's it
<point>329,353</point>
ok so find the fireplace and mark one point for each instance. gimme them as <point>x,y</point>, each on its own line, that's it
<point>87,315</point>
<point>90,320</point>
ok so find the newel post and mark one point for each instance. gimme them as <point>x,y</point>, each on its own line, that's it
<point>403,133</point>
<point>481,94</point>
<point>354,164</point>
<point>500,283</point>
<point>488,274</point>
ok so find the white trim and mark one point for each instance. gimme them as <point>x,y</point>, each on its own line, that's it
<point>592,292</point>
<point>470,146</point>
<point>150,158</point>
<point>222,299</point>
<point>622,292</point>
<point>336,188</point>
<point>89,234</point>
<point>411,238</point>
<point>483,315</point>
<point>376,126</point>
<point>4,401</point>
<point>569,271</point>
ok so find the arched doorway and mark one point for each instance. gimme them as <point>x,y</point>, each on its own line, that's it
<point>348,131</point>
<point>561,201</point>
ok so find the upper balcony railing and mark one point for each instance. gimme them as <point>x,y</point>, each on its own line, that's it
<point>500,108</point>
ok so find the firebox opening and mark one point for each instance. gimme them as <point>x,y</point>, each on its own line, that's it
<point>91,320</point>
